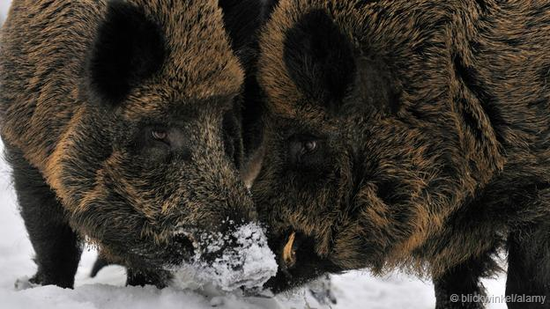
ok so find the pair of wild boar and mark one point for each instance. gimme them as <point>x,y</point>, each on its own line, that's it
<point>393,134</point>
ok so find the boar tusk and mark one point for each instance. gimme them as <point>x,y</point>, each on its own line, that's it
<point>289,256</point>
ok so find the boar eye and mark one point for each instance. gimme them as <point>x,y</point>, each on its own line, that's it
<point>300,148</point>
<point>310,146</point>
<point>159,135</point>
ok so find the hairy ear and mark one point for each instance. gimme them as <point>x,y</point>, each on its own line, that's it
<point>129,48</point>
<point>330,71</point>
<point>320,59</point>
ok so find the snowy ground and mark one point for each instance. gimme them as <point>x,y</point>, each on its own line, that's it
<point>353,290</point>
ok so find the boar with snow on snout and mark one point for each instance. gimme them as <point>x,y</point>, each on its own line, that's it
<point>120,120</point>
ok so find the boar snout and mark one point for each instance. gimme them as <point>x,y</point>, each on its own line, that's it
<point>237,258</point>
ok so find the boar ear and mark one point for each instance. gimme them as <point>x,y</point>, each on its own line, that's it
<point>329,70</point>
<point>320,59</point>
<point>129,48</point>
<point>242,19</point>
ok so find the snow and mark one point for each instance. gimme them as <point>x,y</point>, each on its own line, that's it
<point>4,6</point>
<point>352,290</point>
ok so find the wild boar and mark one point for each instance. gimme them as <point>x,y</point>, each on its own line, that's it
<point>121,123</point>
<point>408,134</point>
<point>242,20</point>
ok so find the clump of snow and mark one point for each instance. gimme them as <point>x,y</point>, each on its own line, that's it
<point>245,261</point>
<point>24,283</point>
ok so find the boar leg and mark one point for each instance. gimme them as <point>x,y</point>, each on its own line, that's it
<point>459,285</point>
<point>57,247</point>
<point>529,267</point>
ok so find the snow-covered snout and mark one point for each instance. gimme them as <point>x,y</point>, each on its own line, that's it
<point>239,258</point>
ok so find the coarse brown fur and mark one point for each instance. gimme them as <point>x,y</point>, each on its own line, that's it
<point>409,134</point>
<point>85,87</point>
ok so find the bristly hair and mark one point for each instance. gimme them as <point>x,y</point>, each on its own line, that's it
<point>242,19</point>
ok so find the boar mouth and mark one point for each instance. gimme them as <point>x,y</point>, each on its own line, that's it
<point>299,262</point>
<point>180,247</point>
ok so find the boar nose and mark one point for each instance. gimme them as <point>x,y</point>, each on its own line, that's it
<point>240,258</point>
<point>182,246</point>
